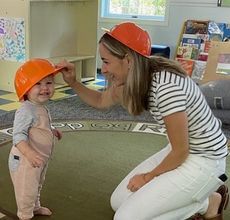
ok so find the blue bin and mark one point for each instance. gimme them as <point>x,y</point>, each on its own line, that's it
<point>160,50</point>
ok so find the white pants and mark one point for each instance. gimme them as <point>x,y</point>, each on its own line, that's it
<point>174,195</point>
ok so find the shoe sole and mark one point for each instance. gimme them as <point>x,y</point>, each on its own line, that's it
<point>223,191</point>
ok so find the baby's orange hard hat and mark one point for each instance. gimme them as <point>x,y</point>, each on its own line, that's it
<point>30,73</point>
<point>133,37</point>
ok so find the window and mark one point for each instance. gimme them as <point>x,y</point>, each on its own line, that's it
<point>152,10</point>
<point>223,3</point>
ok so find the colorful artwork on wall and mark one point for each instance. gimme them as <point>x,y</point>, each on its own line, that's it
<point>12,39</point>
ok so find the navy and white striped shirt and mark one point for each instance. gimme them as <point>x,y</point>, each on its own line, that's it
<point>172,93</point>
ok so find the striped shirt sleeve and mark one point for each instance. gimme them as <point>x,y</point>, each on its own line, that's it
<point>170,98</point>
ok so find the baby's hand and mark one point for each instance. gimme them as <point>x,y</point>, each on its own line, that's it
<point>57,133</point>
<point>34,158</point>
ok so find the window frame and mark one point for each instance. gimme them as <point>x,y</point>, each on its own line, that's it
<point>149,20</point>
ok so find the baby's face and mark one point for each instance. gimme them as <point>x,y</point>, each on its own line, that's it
<point>42,91</point>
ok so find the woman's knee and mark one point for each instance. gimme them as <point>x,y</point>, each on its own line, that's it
<point>114,202</point>
<point>123,215</point>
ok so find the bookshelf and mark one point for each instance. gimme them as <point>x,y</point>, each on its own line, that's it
<point>192,46</point>
<point>195,42</point>
<point>56,30</point>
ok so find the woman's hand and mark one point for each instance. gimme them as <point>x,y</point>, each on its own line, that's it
<point>68,72</point>
<point>136,182</point>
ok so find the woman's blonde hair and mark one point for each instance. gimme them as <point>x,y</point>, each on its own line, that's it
<point>137,85</point>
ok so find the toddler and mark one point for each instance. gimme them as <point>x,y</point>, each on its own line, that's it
<point>33,136</point>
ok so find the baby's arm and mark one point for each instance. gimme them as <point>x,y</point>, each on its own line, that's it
<point>23,121</point>
<point>32,156</point>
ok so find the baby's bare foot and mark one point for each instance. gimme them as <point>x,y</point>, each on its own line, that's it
<point>42,211</point>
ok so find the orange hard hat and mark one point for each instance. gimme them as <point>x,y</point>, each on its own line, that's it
<point>133,37</point>
<point>30,73</point>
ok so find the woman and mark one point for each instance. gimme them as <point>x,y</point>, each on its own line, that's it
<point>181,179</point>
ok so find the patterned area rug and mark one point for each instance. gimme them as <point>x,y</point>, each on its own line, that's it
<point>87,164</point>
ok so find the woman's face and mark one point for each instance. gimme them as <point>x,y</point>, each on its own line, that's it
<point>114,69</point>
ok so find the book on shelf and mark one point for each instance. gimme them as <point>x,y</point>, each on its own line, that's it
<point>225,29</point>
<point>187,52</point>
<point>226,32</point>
<point>184,52</point>
<point>216,37</point>
<point>192,42</point>
<point>207,46</point>
<point>198,70</point>
<point>203,56</point>
<point>215,31</point>
<point>196,27</point>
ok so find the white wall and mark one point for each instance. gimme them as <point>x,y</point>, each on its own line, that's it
<point>179,11</point>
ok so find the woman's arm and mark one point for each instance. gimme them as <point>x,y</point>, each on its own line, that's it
<point>177,130</point>
<point>96,99</point>
<point>92,97</point>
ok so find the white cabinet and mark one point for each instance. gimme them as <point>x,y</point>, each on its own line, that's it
<point>55,29</point>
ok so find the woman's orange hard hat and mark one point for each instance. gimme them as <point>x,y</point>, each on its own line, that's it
<point>132,36</point>
<point>30,73</point>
